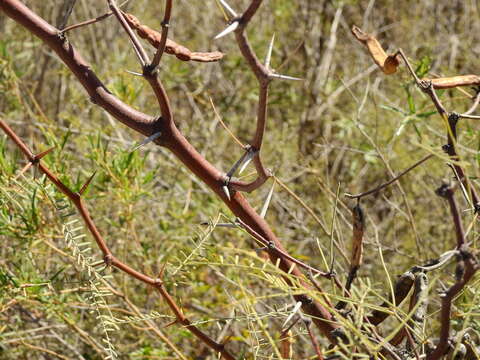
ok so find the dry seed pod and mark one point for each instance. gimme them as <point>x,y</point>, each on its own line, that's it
<point>420,300</point>
<point>286,343</point>
<point>402,287</point>
<point>357,239</point>
<point>387,63</point>
<point>171,47</point>
<point>451,82</point>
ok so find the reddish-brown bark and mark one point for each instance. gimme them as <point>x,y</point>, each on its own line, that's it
<point>171,138</point>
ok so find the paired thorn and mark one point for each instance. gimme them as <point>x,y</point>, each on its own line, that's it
<point>34,160</point>
<point>226,191</point>
<point>259,250</point>
<point>87,183</point>
<point>283,77</point>
<point>268,57</point>
<point>147,140</point>
<point>228,8</point>
<point>248,158</point>
<point>296,308</point>
<point>229,29</point>
<point>242,162</point>
<point>25,169</point>
<point>264,210</point>
<point>38,157</point>
<point>134,73</point>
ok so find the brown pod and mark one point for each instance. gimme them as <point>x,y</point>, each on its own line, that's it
<point>402,288</point>
<point>286,343</point>
<point>357,239</point>
<point>387,63</point>
<point>171,47</point>
<point>451,82</point>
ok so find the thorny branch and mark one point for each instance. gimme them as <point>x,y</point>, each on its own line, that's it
<point>170,136</point>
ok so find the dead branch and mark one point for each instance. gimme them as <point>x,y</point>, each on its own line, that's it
<point>171,47</point>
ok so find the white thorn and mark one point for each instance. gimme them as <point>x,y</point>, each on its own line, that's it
<point>297,307</point>
<point>269,53</point>
<point>228,7</point>
<point>267,201</point>
<point>134,73</point>
<point>230,28</point>
<point>247,160</point>
<point>284,77</point>
<point>226,191</point>
<point>235,166</point>
<point>147,140</point>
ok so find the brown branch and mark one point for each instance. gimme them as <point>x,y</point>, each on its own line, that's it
<point>313,339</point>
<point>171,138</point>
<point>451,150</point>
<point>263,76</point>
<point>90,21</point>
<point>149,72</point>
<point>164,34</point>
<point>446,191</point>
<point>171,47</point>
<point>272,249</point>
<point>466,268</point>
<point>109,259</point>
<point>87,22</point>
<point>428,87</point>
<point>471,267</point>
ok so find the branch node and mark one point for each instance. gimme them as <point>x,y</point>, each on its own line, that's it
<point>425,85</point>
<point>108,259</point>
<point>444,191</point>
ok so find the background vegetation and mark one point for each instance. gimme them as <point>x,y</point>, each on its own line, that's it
<point>345,128</point>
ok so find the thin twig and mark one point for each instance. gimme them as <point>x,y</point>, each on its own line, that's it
<point>163,40</point>
<point>384,185</point>
<point>139,50</point>
<point>91,21</point>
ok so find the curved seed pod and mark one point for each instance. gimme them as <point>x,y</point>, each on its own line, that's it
<point>419,299</point>
<point>357,249</point>
<point>357,239</point>
<point>387,63</point>
<point>171,47</point>
<point>402,287</point>
<point>286,343</point>
<point>451,82</point>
